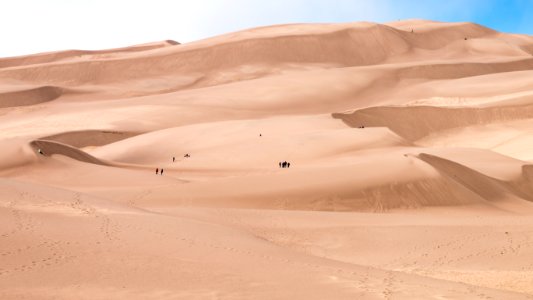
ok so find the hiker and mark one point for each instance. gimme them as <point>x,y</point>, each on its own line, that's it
<point>156,171</point>
<point>288,165</point>
<point>280,164</point>
<point>173,159</point>
<point>284,164</point>
<point>260,135</point>
<point>161,171</point>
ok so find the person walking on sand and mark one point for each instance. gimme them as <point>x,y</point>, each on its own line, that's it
<point>161,171</point>
<point>173,158</point>
<point>156,171</point>
<point>280,164</point>
<point>288,165</point>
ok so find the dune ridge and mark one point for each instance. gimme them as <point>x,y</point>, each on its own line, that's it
<point>420,121</point>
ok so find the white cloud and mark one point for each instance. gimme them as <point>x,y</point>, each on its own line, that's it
<point>29,26</point>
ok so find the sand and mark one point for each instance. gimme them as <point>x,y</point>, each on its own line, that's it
<point>432,199</point>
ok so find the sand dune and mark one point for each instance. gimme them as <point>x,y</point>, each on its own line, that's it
<point>432,199</point>
<point>334,46</point>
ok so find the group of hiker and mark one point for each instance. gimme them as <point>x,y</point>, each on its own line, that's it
<point>187,155</point>
<point>160,172</point>
<point>284,164</point>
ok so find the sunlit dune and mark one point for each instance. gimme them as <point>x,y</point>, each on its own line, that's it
<point>161,171</point>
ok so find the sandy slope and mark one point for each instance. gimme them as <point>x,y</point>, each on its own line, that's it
<point>432,199</point>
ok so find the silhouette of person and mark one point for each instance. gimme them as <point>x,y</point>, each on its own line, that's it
<point>284,164</point>
<point>156,171</point>
<point>173,159</point>
<point>260,135</point>
<point>161,171</point>
<point>280,164</point>
<point>288,165</point>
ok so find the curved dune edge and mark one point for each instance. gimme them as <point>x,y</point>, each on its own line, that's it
<point>49,148</point>
<point>487,187</point>
<point>416,122</point>
<point>84,138</point>
<point>30,96</point>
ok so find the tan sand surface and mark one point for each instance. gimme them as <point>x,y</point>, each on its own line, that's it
<point>411,171</point>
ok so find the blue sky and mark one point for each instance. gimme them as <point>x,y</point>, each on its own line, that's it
<point>30,26</point>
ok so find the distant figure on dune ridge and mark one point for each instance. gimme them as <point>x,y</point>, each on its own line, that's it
<point>280,164</point>
<point>173,159</point>
<point>157,171</point>
<point>161,171</point>
<point>260,135</point>
<point>284,164</point>
<point>288,165</point>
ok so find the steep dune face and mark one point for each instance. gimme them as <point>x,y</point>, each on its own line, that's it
<point>410,171</point>
<point>415,122</point>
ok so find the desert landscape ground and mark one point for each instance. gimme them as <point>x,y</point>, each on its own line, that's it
<point>411,176</point>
